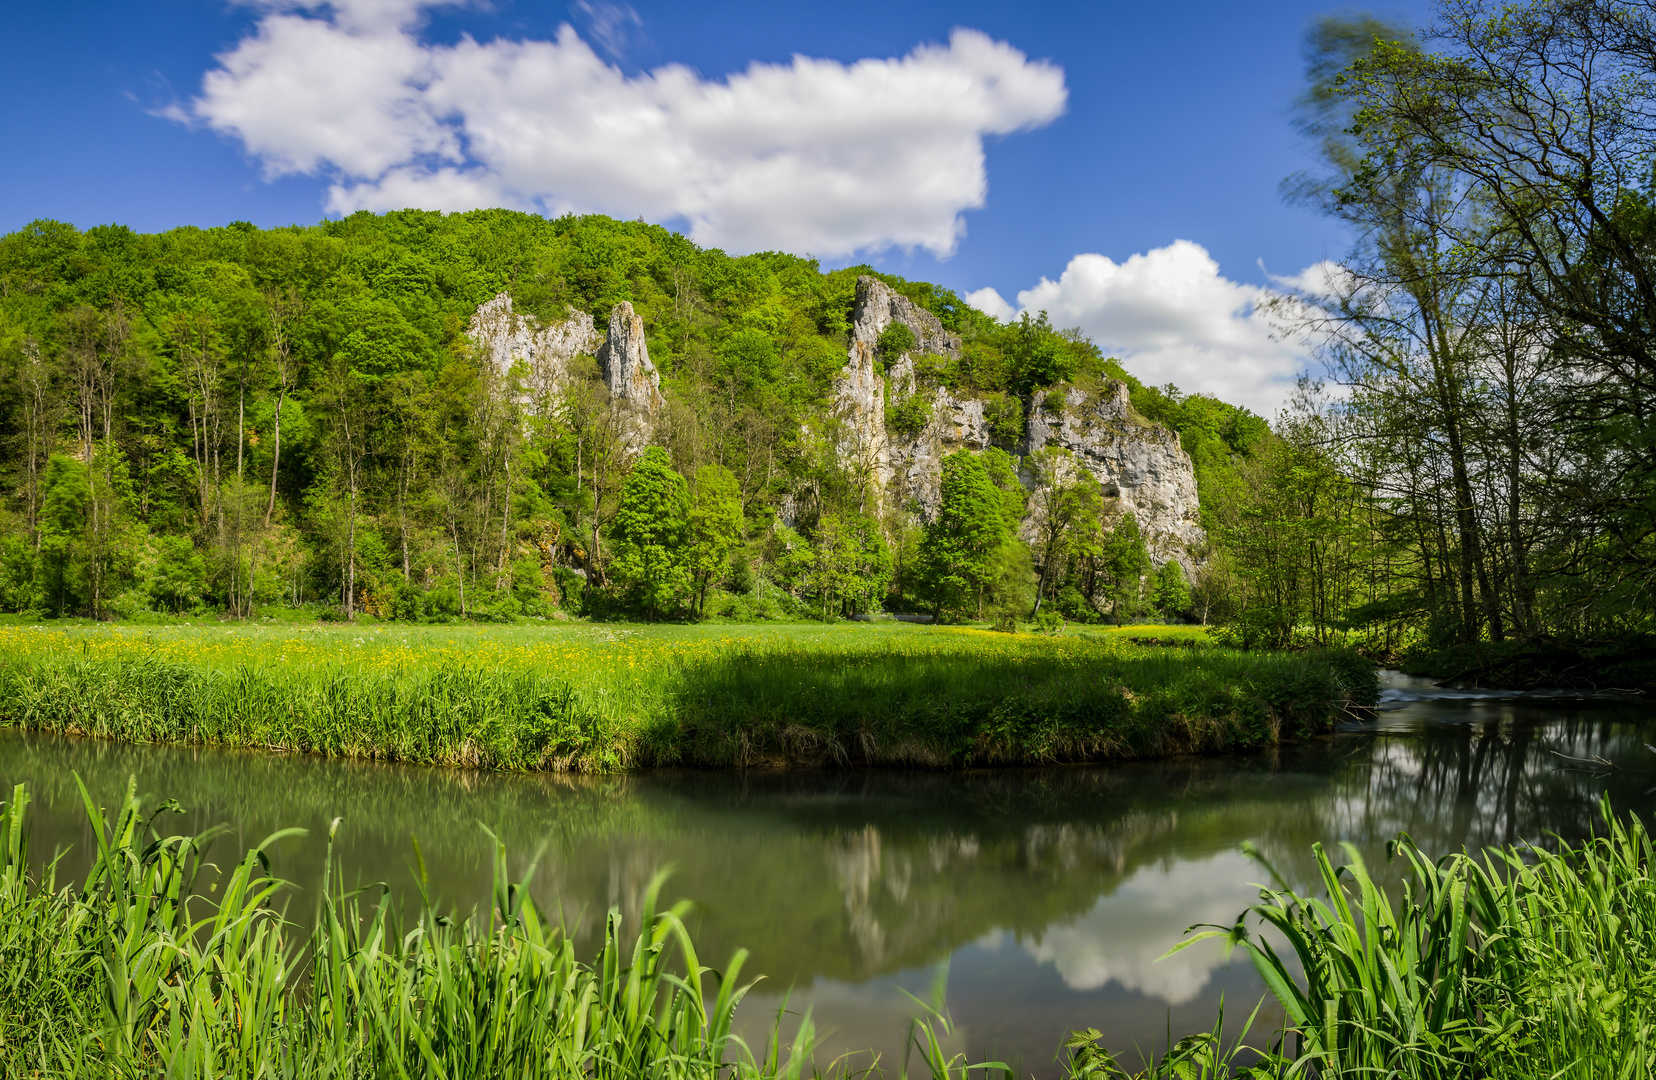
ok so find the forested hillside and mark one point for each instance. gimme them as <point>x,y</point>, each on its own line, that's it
<point>227,419</point>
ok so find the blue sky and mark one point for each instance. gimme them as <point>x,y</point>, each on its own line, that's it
<point>1107,132</point>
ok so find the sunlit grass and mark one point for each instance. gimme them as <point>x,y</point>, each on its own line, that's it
<point>603,696</point>
<point>1157,631</point>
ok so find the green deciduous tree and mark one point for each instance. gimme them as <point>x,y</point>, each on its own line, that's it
<point>1124,561</point>
<point>895,340</point>
<point>650,530</point>
<point>1011,583</point>
<point>1039,357</point>
<point>715,527</point>
<point>849,566</point>
<point>1171,592</point>
<point>65,504</point>
<point>180,575</point>
<point>1066,502</point>
<point>958,545</point>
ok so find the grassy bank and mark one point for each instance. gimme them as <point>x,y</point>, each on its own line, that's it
<point>598,698</point>
<point>162,963</point>
<point>1626,664</point>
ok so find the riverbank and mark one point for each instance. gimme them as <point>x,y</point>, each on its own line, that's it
<point>1625,665</point>
<point>598,698</point>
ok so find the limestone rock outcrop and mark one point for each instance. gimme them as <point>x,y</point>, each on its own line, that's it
<point>545,348</point>
<point>1139,464</point>
<point>907,468</point>
<point>625,361</point>
<point>634,384</point>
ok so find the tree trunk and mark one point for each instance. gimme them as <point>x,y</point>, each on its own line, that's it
<point>350,556</point>
<point>275,455</point>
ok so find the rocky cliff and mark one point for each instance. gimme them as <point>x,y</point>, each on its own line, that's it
<point>624,359</point>
<point>508,338</point>
<point>906,468</point>
<point>1140,465</point>
<point>546,351</point>
<point>634,384</point>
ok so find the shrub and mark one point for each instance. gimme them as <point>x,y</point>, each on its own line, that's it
<point>895,340</point>
<point>910,415</point>
<point>1005,416</point>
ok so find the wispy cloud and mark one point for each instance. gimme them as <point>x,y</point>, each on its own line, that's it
<point>612,27</point>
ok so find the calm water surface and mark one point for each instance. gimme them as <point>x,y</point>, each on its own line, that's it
<point>1047,895</point>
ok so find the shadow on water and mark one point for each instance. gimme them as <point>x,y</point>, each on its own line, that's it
<point>1050,892</point>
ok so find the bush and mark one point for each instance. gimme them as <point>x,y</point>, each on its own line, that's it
<point>529,589</point>
<point>180,576</point>
<point>895,340</point>
<point>405,601</point>
<point>1005,416</point>
<point>1049,622</point>
<point>440,602</point>
<point>1170,593</point>
<point>17,575</point>
<point>1074,605</point>
<point>931,369</point>
<point>130,606</point>
<point>910,415</point>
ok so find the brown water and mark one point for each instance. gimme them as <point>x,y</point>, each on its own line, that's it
<point>1047,895</point>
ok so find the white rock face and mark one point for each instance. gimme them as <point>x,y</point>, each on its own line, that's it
<point>634,384</point>
<point>546,350</point>
<point>906,470</point>
<point>507,338</point>
<point>879,305</point>
<point>625,360</point>
<point>1139,463</point>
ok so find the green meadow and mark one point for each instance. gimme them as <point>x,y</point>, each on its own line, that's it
<point>603,697</point>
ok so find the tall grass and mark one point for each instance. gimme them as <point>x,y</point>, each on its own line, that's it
<point>934,698</point>
<point>139,971</point>
<point>1522,963</point>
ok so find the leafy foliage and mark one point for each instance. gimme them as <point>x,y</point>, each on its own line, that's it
<point>650,532</point>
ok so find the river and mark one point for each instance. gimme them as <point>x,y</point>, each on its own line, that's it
<point>1046,895</point>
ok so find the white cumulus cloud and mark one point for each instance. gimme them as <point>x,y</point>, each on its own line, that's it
<point>1123,938</point>
<point>1171,316</point>
<point>813,155</point>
